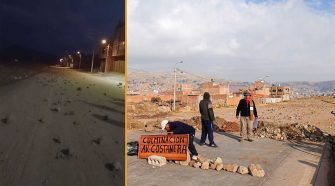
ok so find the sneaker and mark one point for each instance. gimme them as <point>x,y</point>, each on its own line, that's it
<point>194,157</point>
<point>250,140</point>
<point>213,145</point>
<point>201,144</point>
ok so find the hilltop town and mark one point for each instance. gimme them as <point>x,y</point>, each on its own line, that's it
<point>144,85</point>
<point>150,98</point>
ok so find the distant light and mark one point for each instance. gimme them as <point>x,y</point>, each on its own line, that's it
<point>78,52</point>
<point>104,41</point>
<point>61,59</point>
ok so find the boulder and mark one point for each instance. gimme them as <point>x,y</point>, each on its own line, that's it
<point>148,128</point>
<point>197,165</point>
<point>218,160</point>
<point>242,170</point>
<point>191,163</point>
<point>256,170</point>
<point>219,166</point>
<point>8,119</point>
<point>278,136</point>
<point>55,109</point>
<point>205,165</point>
<point>212,166</point>
<point>156,160</point>
<point>231,167</point>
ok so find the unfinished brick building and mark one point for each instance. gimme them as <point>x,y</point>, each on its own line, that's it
<point>283,92</point>
<point>214,88</point>
<point>114,51</point>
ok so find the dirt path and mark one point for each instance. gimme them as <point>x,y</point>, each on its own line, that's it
<point>62,127</point>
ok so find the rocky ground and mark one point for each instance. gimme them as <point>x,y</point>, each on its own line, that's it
<point>315,111</point>
<point>15,72</point>
<point>62,127</point>
<point>302,125</point>
<point>283,163</point>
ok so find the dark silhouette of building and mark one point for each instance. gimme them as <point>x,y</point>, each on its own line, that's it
<point>113,52</point>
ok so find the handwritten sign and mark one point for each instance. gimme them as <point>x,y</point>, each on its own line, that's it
<point>172,147</point>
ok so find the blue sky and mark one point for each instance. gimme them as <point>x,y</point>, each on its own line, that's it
<point>320,5</point>
<point>234,39</point>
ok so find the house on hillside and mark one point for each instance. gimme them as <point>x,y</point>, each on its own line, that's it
<point>282,92</point>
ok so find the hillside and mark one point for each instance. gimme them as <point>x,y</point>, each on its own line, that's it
<point>304,87</point>
<point>25,55</point>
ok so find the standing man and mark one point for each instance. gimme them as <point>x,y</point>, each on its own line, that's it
<point>247,108</point>
<point>177,127</point>
<point>207,120</point>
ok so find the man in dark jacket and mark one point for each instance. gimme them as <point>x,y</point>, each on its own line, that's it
<point>177,127</point>
<point>247,109</point>
<point>207,120</point>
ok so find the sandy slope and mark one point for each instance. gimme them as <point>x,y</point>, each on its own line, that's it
<point>33,136</point>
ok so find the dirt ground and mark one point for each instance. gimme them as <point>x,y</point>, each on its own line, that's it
<point>297,164</point>
<point>285,163</point>
<point>313,111</point>
<point>316,111</point>
<point>16,72</point>
<point>62,127</point>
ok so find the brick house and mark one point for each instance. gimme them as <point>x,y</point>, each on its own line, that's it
<point>114,51</point>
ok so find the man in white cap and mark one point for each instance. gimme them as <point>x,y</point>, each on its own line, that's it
<point>177,127</point>
<point>247,109</point>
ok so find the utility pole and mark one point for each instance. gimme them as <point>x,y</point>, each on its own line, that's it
<point>106,58</point>
<point>79,58</point>
<point>174,87</point>
<point>92,62</point>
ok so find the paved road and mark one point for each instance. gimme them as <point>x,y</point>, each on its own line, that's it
<point>62,127</point>
<point>285,163</point>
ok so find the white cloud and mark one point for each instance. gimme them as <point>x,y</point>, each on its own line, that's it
<point>234,39</point>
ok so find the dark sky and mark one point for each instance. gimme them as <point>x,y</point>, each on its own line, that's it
<point>58,26</point>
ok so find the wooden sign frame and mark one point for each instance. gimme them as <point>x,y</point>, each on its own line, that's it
<point>172,147</point>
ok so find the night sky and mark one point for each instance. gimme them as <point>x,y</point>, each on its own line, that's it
<point>58,26</point>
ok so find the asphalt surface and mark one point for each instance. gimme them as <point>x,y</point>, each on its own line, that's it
<point>293,161</point>
<point>62,127</point>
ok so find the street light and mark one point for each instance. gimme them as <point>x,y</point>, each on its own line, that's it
<point>174,87</point>
<point>80,58</point>
<point>104,41</point>
<point>262,78</point>
<point>229,82</point>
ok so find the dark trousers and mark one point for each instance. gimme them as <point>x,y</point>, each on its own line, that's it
<point>191,146</point>
<point>207,129</point>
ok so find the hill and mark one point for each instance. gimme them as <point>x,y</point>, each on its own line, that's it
<point>25,55</point>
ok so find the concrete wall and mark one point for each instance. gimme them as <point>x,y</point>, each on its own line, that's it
<point>270,100</point>
<point>213,88</point>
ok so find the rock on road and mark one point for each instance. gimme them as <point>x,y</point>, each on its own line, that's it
<point>62,127</point>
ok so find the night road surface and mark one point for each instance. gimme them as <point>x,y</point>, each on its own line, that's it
<point>62,127</point>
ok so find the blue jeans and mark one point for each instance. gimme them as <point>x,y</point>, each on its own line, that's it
<point>207,129</point>
<point>191,146</point>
